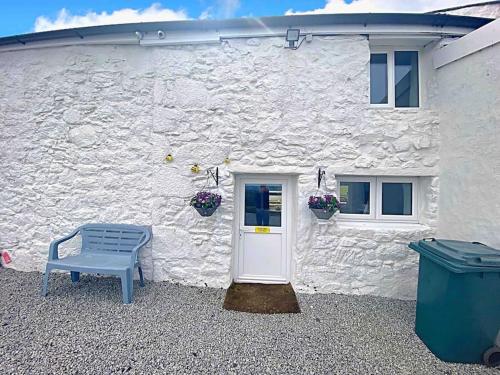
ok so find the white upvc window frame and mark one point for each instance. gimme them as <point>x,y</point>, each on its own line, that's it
<point>372,181</point>
<point>414,204</point>
<point>376,199</point>
<point>391,89</point>
<point>390,78</point>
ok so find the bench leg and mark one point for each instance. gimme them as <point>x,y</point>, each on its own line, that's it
<point>141,277</point>
<point>126,292</point>
<point>45,286</point>
<point>75,276</point>
<point>131,285</point>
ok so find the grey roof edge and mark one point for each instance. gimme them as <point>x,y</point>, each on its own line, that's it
<point>437,20</point>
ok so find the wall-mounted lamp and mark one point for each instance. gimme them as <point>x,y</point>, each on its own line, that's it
<point>169,158</point>
<point>292,37</point>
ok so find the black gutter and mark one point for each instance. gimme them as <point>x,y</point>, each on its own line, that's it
<point>437,20</point>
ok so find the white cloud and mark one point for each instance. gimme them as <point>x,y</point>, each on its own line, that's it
<point>206,14</point>
<point>381,6</point>
<point>66,20</point>
<point>228,8</point>
<point>221,9</point>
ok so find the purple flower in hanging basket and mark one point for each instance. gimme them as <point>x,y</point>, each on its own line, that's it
<point>206,199</point>
<point>327,202</point>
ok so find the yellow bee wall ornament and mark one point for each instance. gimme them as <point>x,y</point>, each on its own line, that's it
<point>195,168</point>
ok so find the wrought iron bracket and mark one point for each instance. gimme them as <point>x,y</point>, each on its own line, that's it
<point>321,175</point>
<point>214,176</point>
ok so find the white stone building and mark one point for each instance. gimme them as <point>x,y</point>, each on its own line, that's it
<point>399,110</point>
<point>488,9</point>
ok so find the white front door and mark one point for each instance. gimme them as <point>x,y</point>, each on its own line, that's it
<point>262,248</point>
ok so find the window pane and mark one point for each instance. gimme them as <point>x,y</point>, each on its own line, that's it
<point>263,205</point>
<point>406,78</point>
<point>354,198</point>
<point>378,78</point>
<point>396,198</point>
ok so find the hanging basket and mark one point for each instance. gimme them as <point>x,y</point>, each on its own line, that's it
<point>322,214</point>
<point>206,211</point>
<point>206,202</point>
<point>324,207</point>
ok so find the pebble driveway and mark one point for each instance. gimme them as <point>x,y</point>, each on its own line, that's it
<point>175,329</point>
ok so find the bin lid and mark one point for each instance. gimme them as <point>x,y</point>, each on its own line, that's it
<point>460,255</point>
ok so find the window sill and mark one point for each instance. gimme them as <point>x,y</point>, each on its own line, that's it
<point>381,225</point>
<point>388,108</point>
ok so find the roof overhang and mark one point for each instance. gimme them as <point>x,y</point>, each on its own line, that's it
<point>376,25</point>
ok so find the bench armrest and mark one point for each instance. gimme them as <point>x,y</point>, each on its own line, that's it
<point>53,253</point>
<point>136,249</point>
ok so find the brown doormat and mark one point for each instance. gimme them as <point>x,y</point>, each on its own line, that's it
<point>262,298</point>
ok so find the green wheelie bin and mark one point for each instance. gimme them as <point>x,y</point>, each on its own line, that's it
<point>458,300</point>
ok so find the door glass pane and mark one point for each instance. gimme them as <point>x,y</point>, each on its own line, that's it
<point>355,198</point>
<point>263,204</point>
<point>406,78</point>
<point>396,198</point>
<point>378,78</point>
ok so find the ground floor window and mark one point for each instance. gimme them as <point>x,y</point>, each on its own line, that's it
<point>378,198</point>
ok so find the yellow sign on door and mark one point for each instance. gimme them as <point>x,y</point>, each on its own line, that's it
<point>262,230</point>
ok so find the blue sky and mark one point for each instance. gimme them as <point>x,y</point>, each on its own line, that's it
<point>23,16</point>
<point>19,16</point>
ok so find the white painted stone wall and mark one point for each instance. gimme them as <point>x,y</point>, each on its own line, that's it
<point>470,153</point>
<point>85,130</point>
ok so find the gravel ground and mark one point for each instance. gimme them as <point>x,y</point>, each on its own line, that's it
<point>170,329</point>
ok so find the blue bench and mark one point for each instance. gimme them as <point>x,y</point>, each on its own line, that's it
<point>108,249</point>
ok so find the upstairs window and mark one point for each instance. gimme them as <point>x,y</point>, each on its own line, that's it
<point>394,79</point>
<point>406,78</point>
<point>378,79</point>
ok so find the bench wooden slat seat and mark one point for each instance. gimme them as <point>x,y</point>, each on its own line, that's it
<point>109,249</point>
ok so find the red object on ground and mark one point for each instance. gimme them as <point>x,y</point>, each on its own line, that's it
<point>6,257</point>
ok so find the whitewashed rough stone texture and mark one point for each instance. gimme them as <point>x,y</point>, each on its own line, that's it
<point>85,130</point>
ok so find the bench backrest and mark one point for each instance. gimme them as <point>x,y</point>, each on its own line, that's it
<point>119,238</point>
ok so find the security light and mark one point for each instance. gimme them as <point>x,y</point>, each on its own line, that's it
<point>292,36</point>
